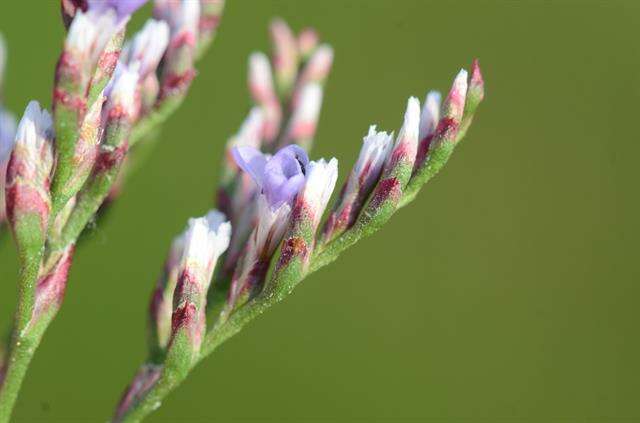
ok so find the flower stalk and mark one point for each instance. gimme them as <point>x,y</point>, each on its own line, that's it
<point>63,168</point>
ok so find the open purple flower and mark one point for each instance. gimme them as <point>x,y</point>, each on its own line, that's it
<point>123,8</point>
<point>280,177</point>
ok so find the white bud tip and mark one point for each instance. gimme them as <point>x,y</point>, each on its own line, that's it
<point>259,69</point>
<point>321,181</point>
<point>430,113</point>
<point>460,83</point>
<point>206,238</point>
<point>148,45</point>
<point>311,101</point>
<point>412,118</point>
<point>35,126</point>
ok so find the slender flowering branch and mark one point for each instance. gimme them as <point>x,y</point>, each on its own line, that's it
<point>290,196</point>
<point>63,167</point>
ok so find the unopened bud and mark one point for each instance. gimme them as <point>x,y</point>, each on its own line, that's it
<point>27,182</point>
<point>304,119</point>
<point>263,93</point>
<point>307,42</point>
<point>375,150</point>
<point>285,56</point>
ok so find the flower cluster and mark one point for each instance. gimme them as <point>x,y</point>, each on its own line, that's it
<point>267,234</point>
<point>275,196</point>
<point>60,168</point>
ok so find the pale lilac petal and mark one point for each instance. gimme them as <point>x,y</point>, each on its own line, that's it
<point>251,160</point>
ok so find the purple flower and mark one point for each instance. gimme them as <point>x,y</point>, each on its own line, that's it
<point>280,177</point>
<point>123,8</point>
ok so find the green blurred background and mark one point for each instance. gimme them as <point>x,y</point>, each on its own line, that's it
<point>506,292</point>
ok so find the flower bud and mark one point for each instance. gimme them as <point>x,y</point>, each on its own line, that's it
<point>263,93</point>
<point>161,306</point>
<point>205,239</point>
<point>316,70</point>
<point>428,123</point>
<point>397,171</point>
<point>178,70</point>
<point>147,47</point>
<point>475,95</point>
<point>28,201</point>
<point>75,164</point>
<point>121,92</point>
<point>452,113</point>
<point>307,42</point>
<point>375,150</point>
<point>233,194</point>
<point>285,56</point>
<point>304,119</point>
<point>88,36</point>
<point>210,14</point>
<point>248,279</point>
<point>299,241</point>
<point>51,286</point>
<point>7,139</point>
<point>320,182</point>
<point>434,155</point>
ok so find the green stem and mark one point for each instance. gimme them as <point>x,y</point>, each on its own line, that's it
<point>23,344</point>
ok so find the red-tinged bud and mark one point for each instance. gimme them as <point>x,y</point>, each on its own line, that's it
<point>304,117</point>
<point>375,149</point>
<point>27,181</point>
<point>403,155</point>
<point>51,287</point>
<point>123,101</point>
<point>248,278</point>
<point>476,85</point>
<point>453,122</point>
<point>260,81</point>
<point>69,8</point>
<point>210,14</point>
<point>316,70</point>
<point>454,103</point>
<point>475,95</point>
<point>144,380</point>
<point>178,69</point>
<point>75,160</point>
<point>321,177</point>
<point>452,112</point>
<point>428,123</point>
<point>88,36</point>
<point>285,56</point>
<point>205,240</point>
<point>307,42</point>
<point>149,91</point>
<point>161,306</point>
